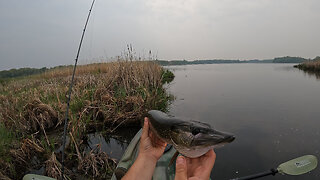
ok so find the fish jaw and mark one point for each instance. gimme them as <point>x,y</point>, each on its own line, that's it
<point>193,152</point>
<point>216,140</point>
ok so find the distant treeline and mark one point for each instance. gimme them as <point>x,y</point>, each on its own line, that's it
<point>12,73</point>
<point>286,59</point>
<point>21,72</point>
<point>289,59</point>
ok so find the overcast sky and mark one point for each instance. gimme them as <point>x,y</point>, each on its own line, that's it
<point>38,33</point>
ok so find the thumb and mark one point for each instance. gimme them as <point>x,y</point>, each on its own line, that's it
<point>181,168</point>
<point>145,129</point>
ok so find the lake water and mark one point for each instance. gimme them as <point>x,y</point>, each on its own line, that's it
<point>273,110</point>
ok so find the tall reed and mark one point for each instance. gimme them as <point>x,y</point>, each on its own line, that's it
<point>105,96</point>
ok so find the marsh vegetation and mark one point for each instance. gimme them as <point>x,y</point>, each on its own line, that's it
<point>311,67</point>
<point>105,96</point>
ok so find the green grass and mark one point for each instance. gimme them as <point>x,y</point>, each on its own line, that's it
<point>77,104</point>
<point>6,139</point>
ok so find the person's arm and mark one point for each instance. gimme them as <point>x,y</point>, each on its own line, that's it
<point>150,150</point>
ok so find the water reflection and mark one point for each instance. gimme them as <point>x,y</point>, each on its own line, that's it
<point>271,108</point>
<point>284,67</point>
<point>114,144</point>
<point>312,74</point>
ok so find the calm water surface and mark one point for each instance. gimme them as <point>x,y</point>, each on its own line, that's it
<point>273,110</point>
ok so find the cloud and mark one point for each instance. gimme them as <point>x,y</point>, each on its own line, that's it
<point>46,33</point>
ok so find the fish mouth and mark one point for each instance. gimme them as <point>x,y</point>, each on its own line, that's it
<point>228,139</point>
<point>225,137</point>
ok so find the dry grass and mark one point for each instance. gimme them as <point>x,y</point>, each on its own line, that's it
<point>4,177</point>
<point>95,163</point>
<point>39,116</point>
<point>311,67</point>
<point>53,168</point>
<point>105,96</point>
<point>23,155</point>
<point>105,91</point>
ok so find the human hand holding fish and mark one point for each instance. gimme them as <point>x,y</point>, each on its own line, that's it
<point>195,140</point>
<point>195,168</point>
<point>151,149</point>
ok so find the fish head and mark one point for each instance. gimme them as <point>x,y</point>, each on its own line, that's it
<point>197,134</point>
<point>190,138</point>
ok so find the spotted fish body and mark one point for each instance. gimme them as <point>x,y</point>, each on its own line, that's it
<point>190,138</point>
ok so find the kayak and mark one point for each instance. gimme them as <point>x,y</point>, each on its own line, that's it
<point>36,177</point>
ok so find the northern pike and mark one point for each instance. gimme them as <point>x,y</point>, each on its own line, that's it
<point>190,138</point>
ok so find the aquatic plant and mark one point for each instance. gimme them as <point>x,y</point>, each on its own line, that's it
<point>167,76</point>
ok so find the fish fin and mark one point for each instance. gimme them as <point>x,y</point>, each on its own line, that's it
<point>174,157</point>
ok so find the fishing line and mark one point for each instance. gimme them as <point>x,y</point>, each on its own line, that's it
<point>70,89</point>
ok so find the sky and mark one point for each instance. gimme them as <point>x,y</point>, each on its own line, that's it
<point>42,33</point>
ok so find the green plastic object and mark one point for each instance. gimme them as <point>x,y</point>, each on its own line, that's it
<point>162,171</point>
<point>36,177</point>
<point>300,165</point>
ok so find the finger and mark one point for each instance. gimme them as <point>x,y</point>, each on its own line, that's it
<point>193,161</point>
<point>181,168</point>
<point>210,157</point>
<point>208,161</point>
<point>145,129</point>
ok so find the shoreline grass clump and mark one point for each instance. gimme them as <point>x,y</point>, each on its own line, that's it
<point>105,96</point>
<point>311,67</point>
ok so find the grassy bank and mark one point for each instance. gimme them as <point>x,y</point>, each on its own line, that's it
<point>105,96</point>
<point>311,67</point>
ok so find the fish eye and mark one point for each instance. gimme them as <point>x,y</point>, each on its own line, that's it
<point>195,131</point>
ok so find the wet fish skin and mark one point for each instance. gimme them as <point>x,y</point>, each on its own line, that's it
<point>190,138</point>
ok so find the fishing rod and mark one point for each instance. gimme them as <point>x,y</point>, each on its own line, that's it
<point>70,88</point>
<point>297,166</point>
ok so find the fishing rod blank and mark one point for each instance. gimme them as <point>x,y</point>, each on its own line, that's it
<point>297,166</point>
<point>70,89</point>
